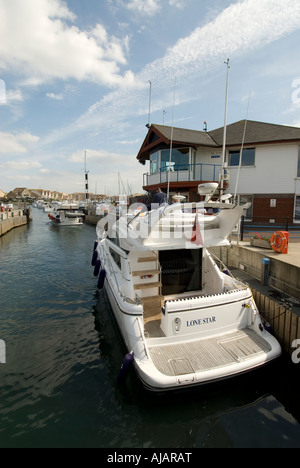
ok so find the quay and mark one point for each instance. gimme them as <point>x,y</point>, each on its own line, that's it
<point>13,219</point>
<point>275,283</point>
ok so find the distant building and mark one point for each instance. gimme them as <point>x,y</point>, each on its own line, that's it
<point>268,177</point>
<point>2,194</point>
<point>19,194</point>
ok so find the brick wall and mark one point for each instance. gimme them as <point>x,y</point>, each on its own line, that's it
<point>263,212</point>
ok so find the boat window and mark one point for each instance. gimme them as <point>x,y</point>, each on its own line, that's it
<point>116,257</point>
<point>114,238</point>
<point>181,271</point>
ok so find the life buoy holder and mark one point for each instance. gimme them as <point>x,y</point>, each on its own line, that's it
<point>279,242</point>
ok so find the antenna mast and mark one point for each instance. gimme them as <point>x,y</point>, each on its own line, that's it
<point>149,111</point>
<point>171,143</point>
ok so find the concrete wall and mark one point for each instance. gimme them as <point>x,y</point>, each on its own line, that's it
<point>282,276</point>
<point>8,224</point>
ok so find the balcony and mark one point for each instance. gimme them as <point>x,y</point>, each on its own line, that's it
<point>183,173</point>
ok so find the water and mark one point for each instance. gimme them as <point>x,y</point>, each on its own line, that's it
<point>63,353</point>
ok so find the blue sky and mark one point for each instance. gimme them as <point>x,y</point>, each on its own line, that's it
<point>75,77</point>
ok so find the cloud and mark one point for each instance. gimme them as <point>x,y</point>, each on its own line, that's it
<point>95,156</point>
<point>147,7</point>
<point>56,97</point>
<point>234,32</point>
<point>177,3</point>
<point>22,165</point>
<point>16,143</point>
<point>14,96</point>
<point>38,42</point>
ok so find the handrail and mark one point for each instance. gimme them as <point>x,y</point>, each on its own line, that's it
<point>141,336</point>
<point>192,170</point>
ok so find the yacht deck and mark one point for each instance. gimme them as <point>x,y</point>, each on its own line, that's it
<point>208,354</point>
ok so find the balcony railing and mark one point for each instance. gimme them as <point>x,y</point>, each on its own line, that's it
<point>184,173</point>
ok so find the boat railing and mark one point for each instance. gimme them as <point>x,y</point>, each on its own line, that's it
<point>224,269</point>
<point>142,336</point>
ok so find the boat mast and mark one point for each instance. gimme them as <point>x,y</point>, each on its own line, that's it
<point>149,111</point>
<point>171,142</point>
<point>241,151</point>
<point>224,133</point>
<point>86,179</point>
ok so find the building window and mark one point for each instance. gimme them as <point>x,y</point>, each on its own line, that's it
<point>298,172</point>
<point>297,208</point>
<point>248,158</point>
<point>180,159</point>
<point>154,163</point>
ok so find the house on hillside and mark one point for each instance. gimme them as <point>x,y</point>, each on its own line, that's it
<point>268,176</point>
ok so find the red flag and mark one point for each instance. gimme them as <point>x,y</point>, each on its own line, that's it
<point>196,233</point>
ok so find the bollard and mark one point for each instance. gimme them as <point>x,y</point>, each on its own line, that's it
<point>265,271</point>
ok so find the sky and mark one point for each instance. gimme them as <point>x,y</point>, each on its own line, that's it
<point>77,78</point>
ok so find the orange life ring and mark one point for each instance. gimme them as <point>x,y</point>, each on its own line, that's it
<point>279,241</point>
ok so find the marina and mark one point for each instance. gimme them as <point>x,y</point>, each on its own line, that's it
<point>64,352</point>
<point>154,309</point>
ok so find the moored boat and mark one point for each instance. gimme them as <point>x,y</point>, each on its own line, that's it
<point>67,214</point>
<point>184,319</point>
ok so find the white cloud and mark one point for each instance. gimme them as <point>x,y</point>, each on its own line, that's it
<point>14,96</point>
<point>177,3</point>
<point>233,33</point>
<point>96,156</point>
<point>16,143</point>
<point>37,41</point>
<point>22,165</point>
<point>56,97</point>
<point>147,7</point>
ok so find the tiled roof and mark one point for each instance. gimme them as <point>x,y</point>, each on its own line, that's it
<point>183,135</point>
<point>256,132</point>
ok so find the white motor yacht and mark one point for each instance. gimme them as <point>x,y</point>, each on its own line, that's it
<point>184,318</point>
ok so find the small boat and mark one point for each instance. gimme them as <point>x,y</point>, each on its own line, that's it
<point>184,318</point>
<point>67,214</point>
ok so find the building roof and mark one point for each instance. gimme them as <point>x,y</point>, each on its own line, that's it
<point>183,135</point>
<point>256,133</point>
<point>159,135</point>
